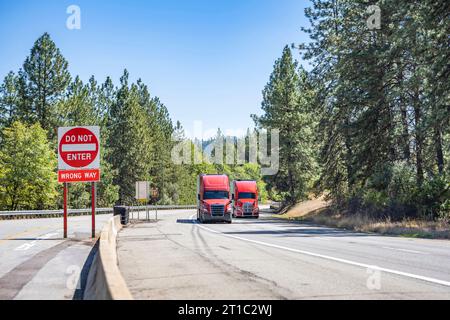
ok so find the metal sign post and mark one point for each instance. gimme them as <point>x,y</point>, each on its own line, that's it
<point>94,196</point>
<point>65,210</point>
<point>142,193</point>
<point>155,195</point>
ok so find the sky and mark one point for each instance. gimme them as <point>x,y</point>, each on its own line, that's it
<point>207,61</point>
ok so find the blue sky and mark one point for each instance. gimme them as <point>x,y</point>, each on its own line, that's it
<point>206,60</point>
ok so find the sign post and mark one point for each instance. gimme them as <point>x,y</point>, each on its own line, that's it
<point>142,192</point>
<point>65,210</point>
<point>94,199</point>
<point>155,195</point>
<point>79,161</point>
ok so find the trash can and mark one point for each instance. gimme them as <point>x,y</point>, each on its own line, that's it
<point>124,213</point>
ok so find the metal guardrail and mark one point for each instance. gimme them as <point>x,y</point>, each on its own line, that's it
<point>52,212</point>
<point>135,212</point>
<point>55,213</point>
<point>163,207</point>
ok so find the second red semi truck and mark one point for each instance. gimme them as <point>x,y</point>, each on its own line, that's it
<point>245,197</point>
<point>213,199</point>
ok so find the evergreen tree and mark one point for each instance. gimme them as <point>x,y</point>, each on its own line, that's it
<point>383,102</point>
<point>286,106</point>
<point>128,140</point>
<point>47,78</point>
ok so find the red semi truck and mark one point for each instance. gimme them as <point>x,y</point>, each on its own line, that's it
<point>245,197</point>
<point>213,199</point>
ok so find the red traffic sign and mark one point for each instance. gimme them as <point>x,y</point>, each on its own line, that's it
<point>78,147</point>
<point>78,151</point>
<point>78,176</point>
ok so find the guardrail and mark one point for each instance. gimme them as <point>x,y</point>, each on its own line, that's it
<point>166,207</point>
<point>29,214</point>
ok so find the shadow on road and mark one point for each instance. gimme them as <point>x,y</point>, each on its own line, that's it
<point>303,232</point>
<point>186,221</point>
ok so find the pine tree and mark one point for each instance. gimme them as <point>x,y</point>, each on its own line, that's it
<point>286,100</point>
<point>383,101</point>
<point>128,140</point>
<point>47,78</point>
<point>13,99</point>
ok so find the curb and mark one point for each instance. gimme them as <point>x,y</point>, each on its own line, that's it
<point>105,282</point>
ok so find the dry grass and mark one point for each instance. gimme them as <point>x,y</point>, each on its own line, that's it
<point>305,208</point>
<point>316,211</point>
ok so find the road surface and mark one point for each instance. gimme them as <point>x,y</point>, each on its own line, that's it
<point>270,258</point>
<point>37,263</point>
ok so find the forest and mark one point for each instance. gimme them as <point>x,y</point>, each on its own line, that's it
<point>137,136</point>
<point>366,123</point>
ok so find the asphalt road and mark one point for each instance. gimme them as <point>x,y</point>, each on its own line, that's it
<point>37,263</point>
<point>269,258</point>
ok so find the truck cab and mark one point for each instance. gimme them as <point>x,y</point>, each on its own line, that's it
<point>245,199</point>
<point>213,199</point>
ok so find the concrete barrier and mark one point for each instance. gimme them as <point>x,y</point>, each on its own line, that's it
<point>105,282</point>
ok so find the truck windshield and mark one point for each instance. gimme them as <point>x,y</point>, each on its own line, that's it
<point>215,195</point>
<point>247,195</point>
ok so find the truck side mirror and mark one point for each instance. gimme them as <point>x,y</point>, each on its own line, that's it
<point>232,196</point>
<point>198,196</point>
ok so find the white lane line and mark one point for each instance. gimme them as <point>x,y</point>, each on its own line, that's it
<point>317,255</point>
<point>405,250</point>
<point>29,245</point>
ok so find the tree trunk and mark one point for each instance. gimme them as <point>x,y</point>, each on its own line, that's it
<point>404,117</point>
<point>419,139</point>
<point>439,151</point>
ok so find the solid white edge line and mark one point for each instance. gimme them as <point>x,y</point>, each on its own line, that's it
<point>317,255</point>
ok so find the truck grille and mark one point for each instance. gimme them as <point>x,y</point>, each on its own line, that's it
<point>217,210</point>
<point>247,208</point>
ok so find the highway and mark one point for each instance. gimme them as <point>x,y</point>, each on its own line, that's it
<point>269,258</point>
<point>37,263</point>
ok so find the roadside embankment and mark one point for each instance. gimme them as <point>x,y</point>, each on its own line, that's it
<point>318,211</point>
<point>105,282</point>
